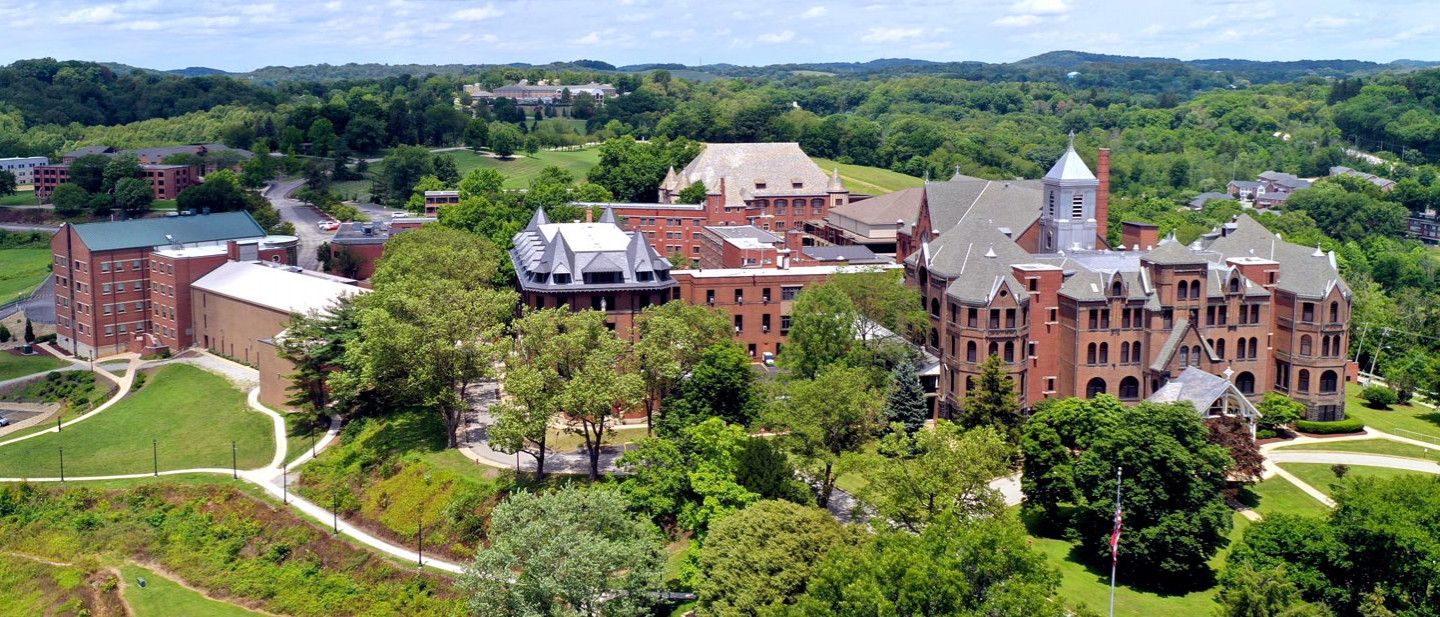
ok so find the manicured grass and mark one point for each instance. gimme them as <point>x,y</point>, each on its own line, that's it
<point>162,597</point>
<point>1280,496</point>
<point>20,198</point>
<point>167,205</point>
<point>15,365</point>
<point>1401,420</point>
<point>565,441</point>
<point>300,435</point>
<point>520,169</point>
<point>1368,446</point>
<point>1319,475</point>
<point>871,180</point>
<point>21,271</point>
<point>193,414</point>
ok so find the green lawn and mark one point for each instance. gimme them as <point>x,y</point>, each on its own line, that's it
<point>520,169</point>
<point>872,180</point>
<point>1319,475</point>
<point>300,435</point>
<point>162,597</point>
<point>20,198</point>
<point>1401,420</point>
<point>166,205</point>
<point>1368,446</point>
<point>1280,496</point>
<point>21,271</point>
<point>193,414</point>
<point>14,365</point>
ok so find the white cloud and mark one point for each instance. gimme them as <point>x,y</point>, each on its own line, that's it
<point>1016,21</point>
<point>891,35</point>
<point>334,5</point>
<point>633,18</point>
<point>673,35</point>
<point>477,14</point>
<point>814,12</point>
<point>91,15</point>
<point>1327,22</point>
<point>776,37</point>
<point>594,38</point>
<point>1040,7</point>
<point>142,25</point>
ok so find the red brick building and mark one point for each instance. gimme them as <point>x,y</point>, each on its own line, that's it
<point>365,242</point>
<point>166,181</point>
<point>119,281</point>
<point>1019,270</point>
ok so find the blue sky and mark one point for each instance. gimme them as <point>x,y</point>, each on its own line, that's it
<point>241,35</point>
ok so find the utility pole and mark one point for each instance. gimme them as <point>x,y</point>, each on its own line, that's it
<point>1381,347</point>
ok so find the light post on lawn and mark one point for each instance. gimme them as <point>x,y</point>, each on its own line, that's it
<point>420,538</point>
<point>234,466</point>
<point>284,484</point>
<point>62,463</point>
<point>335,511</point>
<point>155,455</point>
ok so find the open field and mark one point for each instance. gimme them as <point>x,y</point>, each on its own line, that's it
<point>1402,420</point>
<point>15,365</point>
<point>1368,446</point>
<point>162,597</point>
<point>21,271</point>
<point>1319,475</point>
<point>20,198</point>
<point>520,169</point>
<point>1280,496</point>
<point>871,180</point>
<point>192,414</point>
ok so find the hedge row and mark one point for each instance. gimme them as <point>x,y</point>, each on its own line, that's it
<point>1330,428</point>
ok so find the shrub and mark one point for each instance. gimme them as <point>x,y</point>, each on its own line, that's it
<point>1379,397</point>
<point>1266,434</point>
<point>1330,428</point>
<point>1340,471</point>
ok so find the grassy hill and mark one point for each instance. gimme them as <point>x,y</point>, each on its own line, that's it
<point>520,169</point>
<point>871,180</point>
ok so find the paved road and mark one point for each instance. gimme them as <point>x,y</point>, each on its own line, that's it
<point>40,307</point>
<point>304,217</point>
<point>1354,459</point>
<point>22,227</point>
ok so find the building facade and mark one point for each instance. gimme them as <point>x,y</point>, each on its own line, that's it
<point>1003,278</point>
<point>23,167</point>
<point>166,181</point>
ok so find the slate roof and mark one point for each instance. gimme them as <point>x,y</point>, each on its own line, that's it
<point>1070,166</point>
<point>1172,252</point>
<point>1302,271</point>
<point>90,150</point>
<point>1200,199</point>
<point>1202,389</point>
<point>901,205</point>
<point>544,249</point>
<point>855,254</point>
<point>744,167</point>
<point>152,232</point>
<point>1013,204</point>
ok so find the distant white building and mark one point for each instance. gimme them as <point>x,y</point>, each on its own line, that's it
<point>23,167</point>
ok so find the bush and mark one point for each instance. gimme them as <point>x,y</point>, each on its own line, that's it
<point>1266,433</point>
<point>1379,397</point>
<point>1330,428</point>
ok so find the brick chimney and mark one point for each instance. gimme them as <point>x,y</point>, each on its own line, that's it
<point>589,215</point>
<point>1138,236</point>
<point>1102,195</point>
<point>232,250</point>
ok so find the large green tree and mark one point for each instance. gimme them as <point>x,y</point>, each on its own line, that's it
<point>402,170</point>
<point>943,471</point>
<point>905,401</point>
<point>759,559</point>
<point>993,401</point>
<point>822,330</point>
<point>720,385</point>
<point>315,343</point>
<point>70,199</point>
<point>504,139</point>
<point>1247,592</point>
<point>133,196</point>
<point>568,553</point>
<point>671,339</point>
<point>827,419</point>
<point>632,170</point>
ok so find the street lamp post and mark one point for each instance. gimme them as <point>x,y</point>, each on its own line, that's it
<point>155,455</point>
<point>335,512</point>
<point>285,484</point>
<point>234,465</point>
<point>420,539</point>
<point>62,463</point>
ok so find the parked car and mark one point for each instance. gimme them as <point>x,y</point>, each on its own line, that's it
<point>329,225</point>
<point>399,215</point>
<point>4,421</point>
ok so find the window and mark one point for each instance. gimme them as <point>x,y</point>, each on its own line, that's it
<point>105,288</point>
<point>739,324</point>
<point>784,324</point>
<point>789,293</point>
<point>1125,352</point>
<point>994,319</point>
<point>1010,318</point>
<point>1328,382</point>
<point>1009,351</point>
<point>935,308</point>
<point>1195,290</point>
<point>739,296</point>
<point>1304,381</point>
<point>710,297</point>
<point>1135,355</point>
<point>1034,284</point>
<point>1105,319</point>
<point>1104,353</point>
<point>1090,353</point>
<point>972,317</point>
<point>1324,346</point>
<point>1183,292</point>
<point>1115,288</point>
<point>1334,312</point>
<point>1245,382</point>
<point>1095,388</point>
<point>1077,206</point>
<point>1235,285</point>
<point>1255,313</point>
<point>1195,355</point>
<point>1220,348</point>
<point>1306,344</point>
<point>1129,388</point>
<point>1254,347</point>
<point>1184,356</point>
<point>1224,315</point>
<point>1307,311</point>
<point>104,266</point>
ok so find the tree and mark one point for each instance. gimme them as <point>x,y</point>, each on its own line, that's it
<point>69,199</point>
<point>992,401</point>
<point>219,192</point>
<point>720,385</point>
<point>828,417</point>
<point>603,386</point>
<point>402,171</point>
<point>477,134</point>
<point>505,139</point>
<point>29,331</point>
<point>1233,434</point>
<point>429,329</point>
<point>531,145</point>
<point>1277,410</point>
<point>822,330</point>
<point>484,182</point>
<point>954,567</point>
<point>133,195</point>
<point>671,338</point>
<point>905,401</point>
<point>571,552</point>
<point>315,343</point>
<point>760,558</point>
<point>1248,592</point>
<point>883,298</point>
<point>693,194</point>
<point>88,172</point>
<point>445,170</point>
<point>1379,397</point>
<point>322,138</point>
<point>945,471</point>
<point>5,335</point>
<point>120,167</point>
<point>632,171</point>
<point>8,184</point>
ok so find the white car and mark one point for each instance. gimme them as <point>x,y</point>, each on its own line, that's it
<point>329,225</point>
<point>399,215</point>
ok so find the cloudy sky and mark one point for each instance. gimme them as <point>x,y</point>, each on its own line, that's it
<point>238,35</point>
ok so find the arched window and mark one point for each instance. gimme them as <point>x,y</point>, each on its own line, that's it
<point>1195,355</point>
<point>1324,346</point>
<point>934,307</point>
<point>780,205</point>
<point>1090,353</point>
<point>1009,351</point>
<point>1240,349</point>
<point>1095,388</point>
<point>1235,285</point>
<point>1135,355</point>
<point>1104,353</point>
<point>1334,311</point>
<point>1116,288</point>
<point>1184,356</point>
<point>817,203</point>
<point>1183,292</point>
<point>1303,384</point>
<point>923,275</point>
<point>1328,382</point>
<point>762,203</point>
<point>969,383</point>
<point>1220,348</point>
<point>1254,347</point>
<point>1129,388</point>
<point>1125,352</point>
<point>1195,290</point>
<point>1307,345</point>
<point>994,349</point>
<point>970,351</point>
<point>1245,382</point>
<point>934,338</point>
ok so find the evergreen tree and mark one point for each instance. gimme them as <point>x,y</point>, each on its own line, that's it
<point>992,401</point>
<point>905,402</point>
<point>5,335</point>
<point>29,331</point>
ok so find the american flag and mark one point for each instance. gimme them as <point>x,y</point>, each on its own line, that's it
<point>1115,537</point>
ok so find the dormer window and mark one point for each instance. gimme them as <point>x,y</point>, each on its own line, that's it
<point>797,185</point>
<point>562,278</point>
<point>644,276</point>
<point>1116,288</point>
<point>760,185</point>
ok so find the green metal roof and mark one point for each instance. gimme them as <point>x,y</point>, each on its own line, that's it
<point>137,233</point>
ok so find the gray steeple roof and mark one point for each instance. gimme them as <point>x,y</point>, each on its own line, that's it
<point>537,220</point>
<point>1070,166</point>
<point>836,185</point>
<point>608,216</point>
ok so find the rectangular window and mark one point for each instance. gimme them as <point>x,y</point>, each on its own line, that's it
<point>1009,318</point>
<point>739,324</point>
<point>972,318</point>
<point>1307,311</point>
<point>1094,319</point>
<point>789,293</point>
<point>104,266</point>
<point>994,319</point>
<point>105,288</point>
<point>784,324</point>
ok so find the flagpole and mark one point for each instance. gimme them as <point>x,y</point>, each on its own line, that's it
<point>1114,540</point>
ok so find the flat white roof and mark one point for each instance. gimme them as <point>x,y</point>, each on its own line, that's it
<point>777,272</point>
<point>193,251</point>
<point>276,288</point>
<point>588,237</point>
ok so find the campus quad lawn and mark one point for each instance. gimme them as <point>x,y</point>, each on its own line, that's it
<point>20,198</point>
<point>15,365</point>
<point>162,597</point>
<point>1280,496</point>
<point>520,169</point>
<point>21,271</point>
<point>1319,475</point>
<point>193,413</point>
<point>1397,420</point>
<point>1383,447</point>
<point>871,180</point>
